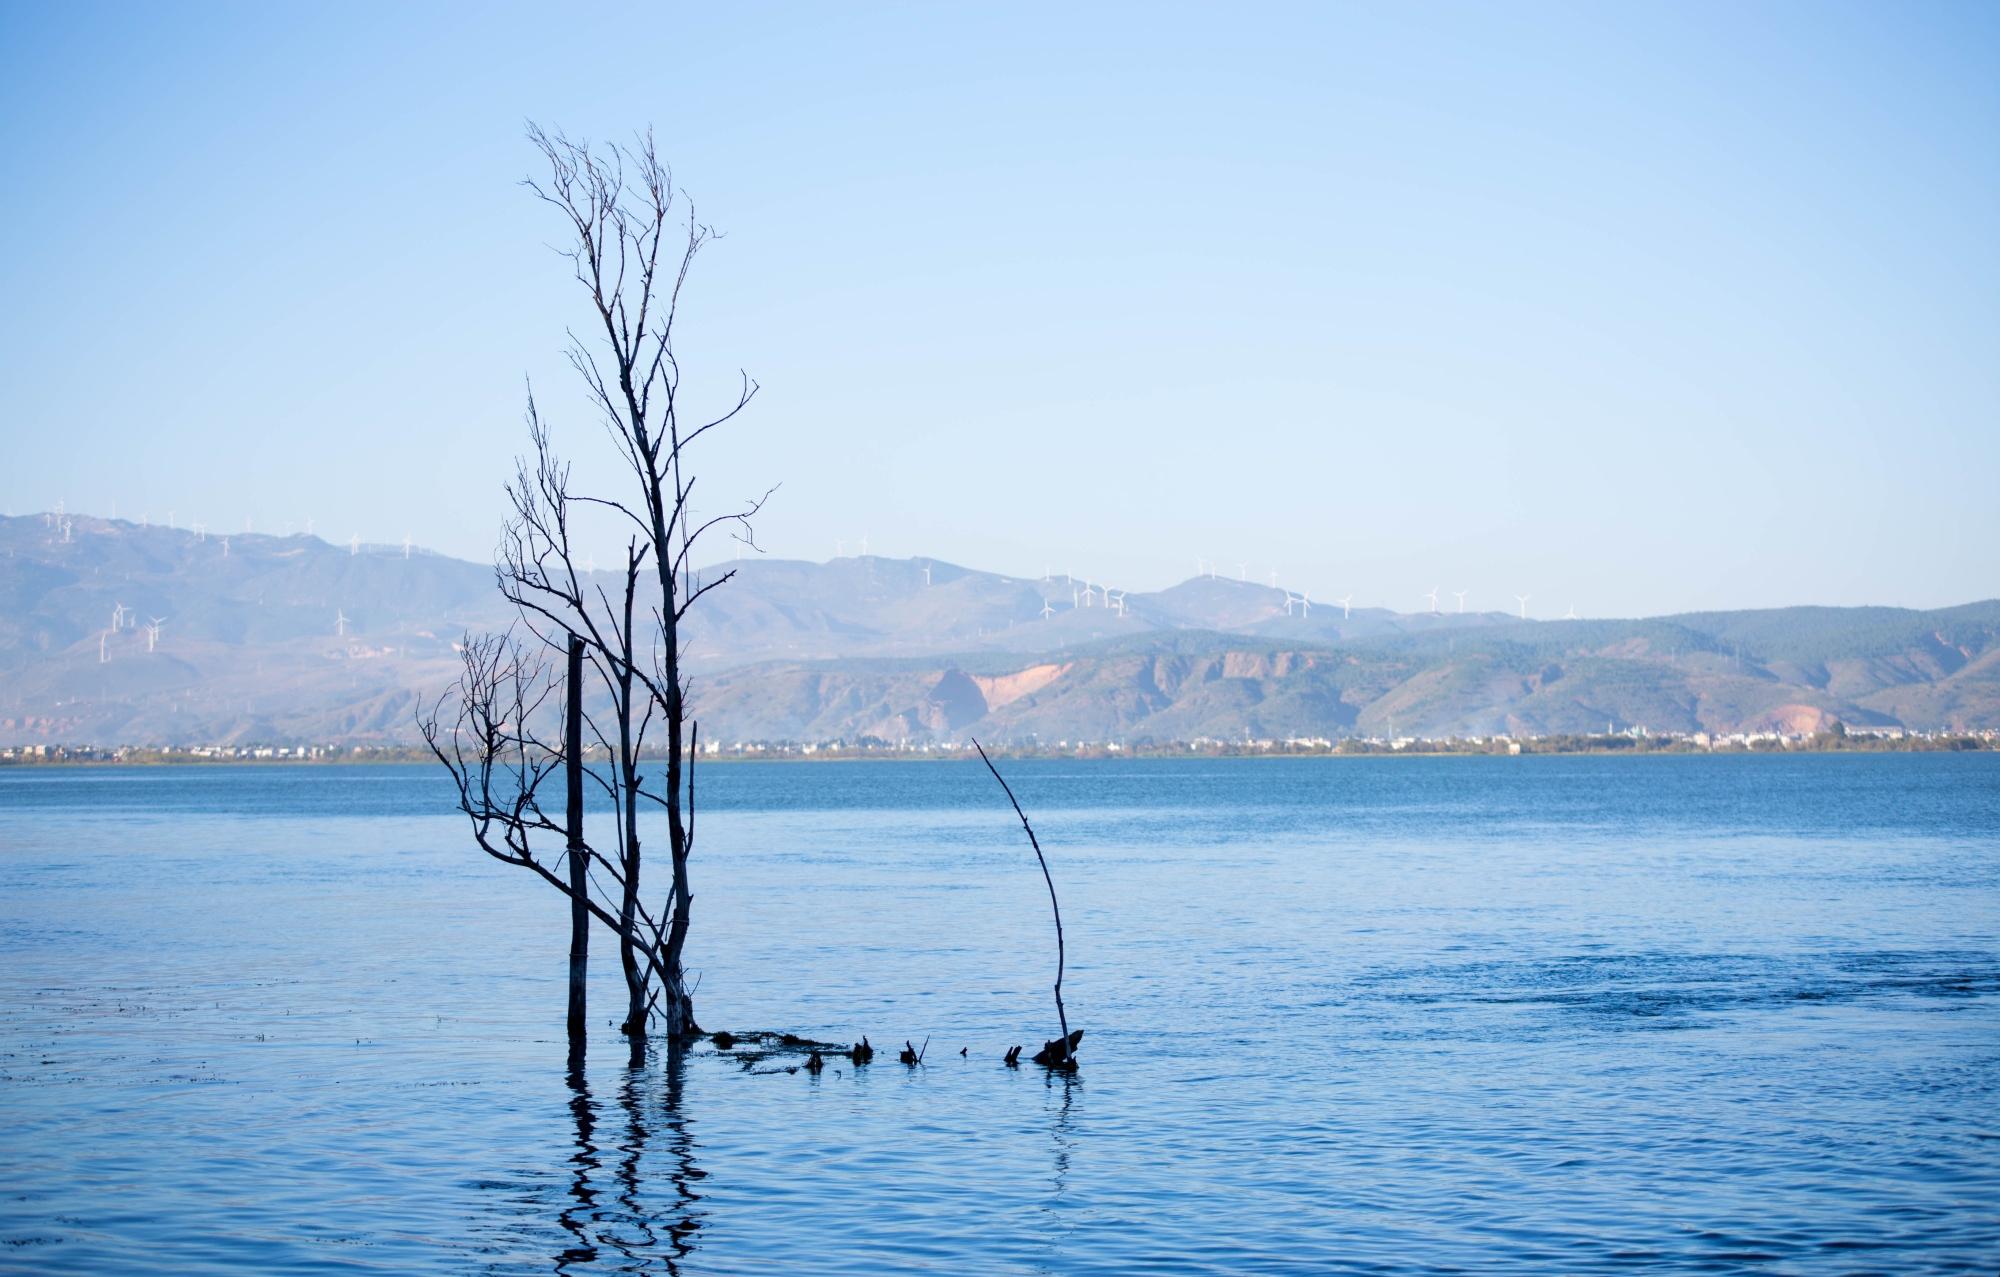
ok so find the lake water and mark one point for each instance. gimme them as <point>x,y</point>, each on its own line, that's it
<point>1529,1015</point>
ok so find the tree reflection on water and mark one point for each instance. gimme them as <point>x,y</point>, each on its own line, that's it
<point>612,1213</point>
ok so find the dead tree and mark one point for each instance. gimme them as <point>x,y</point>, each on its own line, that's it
<point>631,239</point>
<point>484,730</point>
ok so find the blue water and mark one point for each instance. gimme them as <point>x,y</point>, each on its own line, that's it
<point>1530,1015</point>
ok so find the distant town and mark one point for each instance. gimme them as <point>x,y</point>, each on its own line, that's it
<point>1635,740</point>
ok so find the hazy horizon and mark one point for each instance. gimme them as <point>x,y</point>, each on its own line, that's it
<point>1640,311</point>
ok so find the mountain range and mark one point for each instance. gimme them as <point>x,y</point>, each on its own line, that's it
<point>117,633</point>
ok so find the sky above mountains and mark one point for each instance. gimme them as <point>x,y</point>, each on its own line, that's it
<point>1635,309</point>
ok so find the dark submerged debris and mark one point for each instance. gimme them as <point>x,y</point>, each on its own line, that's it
<point>1059,1053</point>
<point>1013,1060</point>
<point>784,1052</point>
<point>815,1062</point>
<point>862,1052</point>
<point>911,1055</point>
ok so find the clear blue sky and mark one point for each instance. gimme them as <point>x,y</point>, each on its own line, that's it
<point>1640,307</point>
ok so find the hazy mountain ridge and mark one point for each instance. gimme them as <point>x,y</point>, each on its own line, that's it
<point>248,649</point>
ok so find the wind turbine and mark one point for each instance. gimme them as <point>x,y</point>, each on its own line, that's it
<point>406,545</point>
<point>101,636</point>
<point>1274,578</point>
<point>1118,602</point>
<point>1460,596</point>
<point>354,544</point>
<point>200,531</point>
<point>225,547</point>
<point>117,617</point>
<point>1523,600</point>
<point>864,545</point>
<point>153,632</point>
<point>1242,571</point>
<point>340,623</point>
<point>1433,597</point>
<point>1297,600</point>
<point>1048,609</point>
<point>1571,614</point>
<point>927,574</point>
<point>1346,605</point>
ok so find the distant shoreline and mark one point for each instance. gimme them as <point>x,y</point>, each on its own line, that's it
<point>1615,746</point>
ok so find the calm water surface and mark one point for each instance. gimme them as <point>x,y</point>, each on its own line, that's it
<point>1536,1015</point>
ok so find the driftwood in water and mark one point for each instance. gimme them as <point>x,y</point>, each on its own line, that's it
<point>763,1051</point>
<point>911,1055</point>
<point>862,1052</point>
<point>1059,1053</point>
<point>1013,1060</point>
<point>1067,1042</point>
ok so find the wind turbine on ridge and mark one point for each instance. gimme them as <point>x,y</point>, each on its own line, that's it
<point>1346,605</point>
<point>1523,600</point>
<point>1433,597</point>
<point>1460,596</point>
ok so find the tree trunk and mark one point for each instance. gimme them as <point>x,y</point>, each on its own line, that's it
<point>628,919</point>
<point>579,882</point>
<point>678,1005</point>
